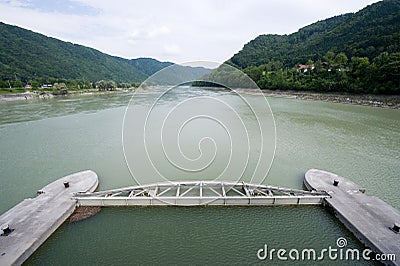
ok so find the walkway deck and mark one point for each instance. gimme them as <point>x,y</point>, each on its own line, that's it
<point>367,217</point>
<point>34,220</point>
<point>195,193</point>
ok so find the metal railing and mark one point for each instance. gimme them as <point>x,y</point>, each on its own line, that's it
<point>194,193</point>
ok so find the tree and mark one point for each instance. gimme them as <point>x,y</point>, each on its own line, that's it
<point>361,73</point>
<point>387,74</point>
<point>359,65</point>
<point>59,86</point>
<point>3,84</point>
<point>59,89</point>
<point>341,60</point>
<point>34,83</point>
<point>330,57</point>
<point>106,85</point>
<point>17,84</point>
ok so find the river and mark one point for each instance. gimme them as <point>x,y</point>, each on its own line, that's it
<point>42,140</point>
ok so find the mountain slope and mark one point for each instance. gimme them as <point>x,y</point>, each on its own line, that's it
<point>357,53</point>
<point>28,55</point>
<point>369,32</point>
<point>148,66</point>
<point>283,48</point>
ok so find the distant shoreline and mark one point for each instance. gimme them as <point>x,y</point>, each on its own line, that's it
<point>32,95</point>
<point>24,96</point>
<point>383,101</point>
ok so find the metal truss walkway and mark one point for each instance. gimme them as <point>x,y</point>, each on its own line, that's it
<point>195,193</point>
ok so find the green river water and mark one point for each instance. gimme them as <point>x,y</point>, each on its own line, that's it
<point>43,140</point>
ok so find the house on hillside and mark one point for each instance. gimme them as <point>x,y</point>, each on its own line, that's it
<point>305,68</point>
<point>46,86</point>
<point>28,86</point>
<point>324,65</point>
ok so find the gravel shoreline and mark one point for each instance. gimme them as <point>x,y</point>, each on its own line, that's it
<point>24,96</point>
<point>383,101</point>
<point>83,212</point>
<point>29,95</point>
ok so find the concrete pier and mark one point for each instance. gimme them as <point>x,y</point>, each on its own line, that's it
<point>26,226</point>
<point>370,219</point>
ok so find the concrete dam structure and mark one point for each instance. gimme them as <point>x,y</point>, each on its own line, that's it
<point>27,225</point>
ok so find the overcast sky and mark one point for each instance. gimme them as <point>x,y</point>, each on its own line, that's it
<point>169,30</point>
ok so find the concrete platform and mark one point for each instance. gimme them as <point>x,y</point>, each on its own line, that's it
<point>34,220</point>
<point>369,218</point>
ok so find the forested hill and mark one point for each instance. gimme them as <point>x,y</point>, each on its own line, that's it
<point>26,56</point>
<point>361,52</point>
<point>288,49</point>
<point>29,55</point>
<point>31,58</point>
<point>367,33</point>
<point>148,66</point>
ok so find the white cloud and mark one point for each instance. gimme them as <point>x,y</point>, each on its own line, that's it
<point>174,30</point>
<point>171,49</point>
<point>158,31</point>
<point>16,3</point>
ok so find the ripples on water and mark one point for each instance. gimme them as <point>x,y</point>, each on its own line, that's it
<point>35,109</point>
<point>187,236</point>
<point>45,139</point>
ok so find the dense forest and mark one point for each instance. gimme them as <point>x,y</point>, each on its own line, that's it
<point>25,55</point>
<point>353,52</point>
<point>29,58</point>
<point>148,66</point>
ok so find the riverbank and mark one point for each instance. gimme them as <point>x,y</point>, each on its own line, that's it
<point>384,101</point>
<point>31,95</point>
<point>83,212</point>
<point>25,96</point>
